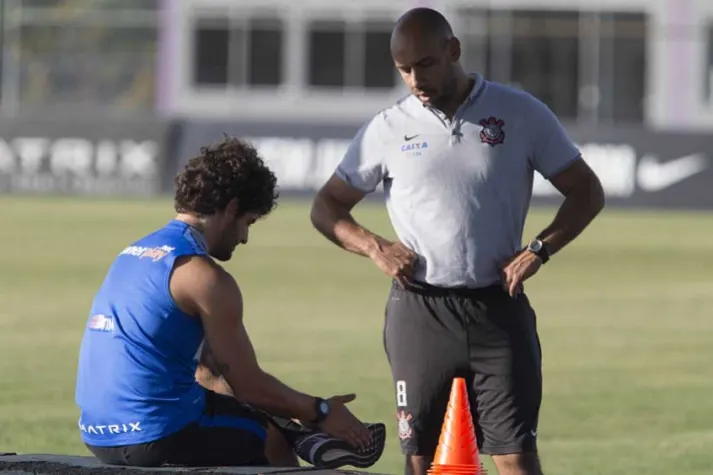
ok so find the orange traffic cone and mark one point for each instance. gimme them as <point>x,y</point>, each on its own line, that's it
<point>457,452</point>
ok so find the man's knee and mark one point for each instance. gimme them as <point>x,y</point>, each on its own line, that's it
<point>208,375</point>
<point>526,463</point>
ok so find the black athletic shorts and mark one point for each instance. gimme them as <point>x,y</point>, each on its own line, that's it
<point>432,335</point>
<point>229,434</point>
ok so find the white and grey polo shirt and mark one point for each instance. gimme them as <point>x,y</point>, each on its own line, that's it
<point>458,191</point>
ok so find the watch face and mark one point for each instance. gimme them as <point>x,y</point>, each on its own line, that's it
<point>535,245</point>
<point>324,407</point>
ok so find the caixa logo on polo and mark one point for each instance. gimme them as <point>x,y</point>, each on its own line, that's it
<point>108,429</point>
<point>414,148</point>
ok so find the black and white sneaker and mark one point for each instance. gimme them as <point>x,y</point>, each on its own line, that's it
<point>324,451</point>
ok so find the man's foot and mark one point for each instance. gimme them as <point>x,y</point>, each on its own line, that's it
<point>324,451</point>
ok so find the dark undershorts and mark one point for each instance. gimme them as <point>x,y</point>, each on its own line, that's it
<point>229,434</point>
<point>432,335</point>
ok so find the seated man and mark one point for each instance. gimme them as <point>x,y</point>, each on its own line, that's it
<point>140,401</point>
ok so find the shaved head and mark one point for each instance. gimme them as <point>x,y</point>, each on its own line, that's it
<point>427,53</point>
<point>423,22</point>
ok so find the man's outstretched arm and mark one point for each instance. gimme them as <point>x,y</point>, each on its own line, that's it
<point>209,291</point>
<point>201,287</point>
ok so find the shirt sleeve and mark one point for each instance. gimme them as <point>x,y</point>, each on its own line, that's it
<point>552,150</point>
<point>363,164</point>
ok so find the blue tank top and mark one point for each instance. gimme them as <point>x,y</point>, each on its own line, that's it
<point>138,357</point>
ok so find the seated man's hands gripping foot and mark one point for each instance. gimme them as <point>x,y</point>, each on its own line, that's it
<point>327,444</point>
<point>202,287</point>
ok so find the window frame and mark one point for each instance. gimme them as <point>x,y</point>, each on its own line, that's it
<point>237,20</point>
<point>355,33</point>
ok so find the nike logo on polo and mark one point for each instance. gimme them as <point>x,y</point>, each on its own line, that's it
<point>655,176</point>
<point>407,138</point>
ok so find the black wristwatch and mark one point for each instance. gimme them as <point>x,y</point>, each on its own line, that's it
<point>538,247</point>
<point>321,408</point>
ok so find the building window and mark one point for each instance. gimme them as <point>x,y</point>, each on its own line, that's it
<point>485,35</point>
<point>211,38</point>
<point>265,40</point>
<point>378,71</point>
<point>238,52</point>
<point>584,66</point>
<point>545,57</point>
<point>350,55</point>
<point>327,51</point>
<point>622,67</point>
<point>537,51</point>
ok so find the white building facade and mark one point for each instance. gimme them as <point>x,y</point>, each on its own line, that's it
<point>621,62</point>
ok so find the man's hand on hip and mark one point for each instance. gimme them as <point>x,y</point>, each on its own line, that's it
<point>394,259</point>
<point>517,270</point>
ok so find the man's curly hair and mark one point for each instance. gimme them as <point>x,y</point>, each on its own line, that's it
<point>223,171</point>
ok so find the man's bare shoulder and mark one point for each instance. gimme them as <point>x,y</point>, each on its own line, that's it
<point>199,269</point>
<point>197,280</point>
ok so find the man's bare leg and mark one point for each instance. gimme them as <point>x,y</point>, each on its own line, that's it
<point>518,464</point>
<point>417,464</point>
<point>278,451</point>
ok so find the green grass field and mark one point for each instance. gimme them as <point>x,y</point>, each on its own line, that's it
<point>625,315</point>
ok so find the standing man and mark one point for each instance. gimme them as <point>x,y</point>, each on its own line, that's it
<point>456,158</point>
